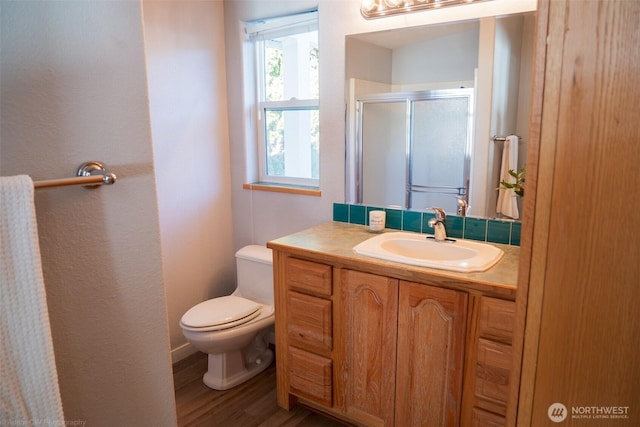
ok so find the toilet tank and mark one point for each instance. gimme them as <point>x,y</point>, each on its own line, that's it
<point>254,266</point>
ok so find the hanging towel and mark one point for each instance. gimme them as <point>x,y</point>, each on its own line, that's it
<point>29,393</point>
<point>507,200</point>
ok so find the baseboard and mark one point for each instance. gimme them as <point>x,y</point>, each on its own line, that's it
<point>182,352</point>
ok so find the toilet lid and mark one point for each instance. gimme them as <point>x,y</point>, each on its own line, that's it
<point>222,311</point>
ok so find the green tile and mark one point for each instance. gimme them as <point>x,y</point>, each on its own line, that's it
<point>498,231</point>
<point>412,221</point>
<point>340,212</point>
<point>455,226</point>
<point>516,228</point>
<point>394,218</point>
<point>475,229</point>
<point>358,214</point>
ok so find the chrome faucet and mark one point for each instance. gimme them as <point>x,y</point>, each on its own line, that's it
<point>439,232</point>
<point>462,207</point>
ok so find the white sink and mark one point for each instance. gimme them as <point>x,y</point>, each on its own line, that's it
<point>416,249</point>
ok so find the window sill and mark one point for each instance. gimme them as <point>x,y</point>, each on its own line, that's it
<point>283,188</point>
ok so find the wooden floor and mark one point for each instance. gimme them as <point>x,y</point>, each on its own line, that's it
<point>250,404</point>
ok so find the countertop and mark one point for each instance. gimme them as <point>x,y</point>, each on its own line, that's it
<point>332,242</point>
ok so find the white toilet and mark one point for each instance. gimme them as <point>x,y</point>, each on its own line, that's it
<point>235,330</point>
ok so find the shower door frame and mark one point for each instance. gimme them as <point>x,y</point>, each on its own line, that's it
<point>409,98</point>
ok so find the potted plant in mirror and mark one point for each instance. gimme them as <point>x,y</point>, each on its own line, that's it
<point>518,186</point>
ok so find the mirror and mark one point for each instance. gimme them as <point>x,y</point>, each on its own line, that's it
<point>423,105</point>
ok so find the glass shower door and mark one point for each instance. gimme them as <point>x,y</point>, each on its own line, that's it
<point>413,148</point>
<point>384,160</point>
<point>439,152</point>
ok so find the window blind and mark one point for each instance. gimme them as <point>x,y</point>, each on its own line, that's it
<point>265,29</point>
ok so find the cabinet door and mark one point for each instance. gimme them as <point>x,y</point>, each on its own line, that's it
<point>366,326</point>
<point>431,331</point>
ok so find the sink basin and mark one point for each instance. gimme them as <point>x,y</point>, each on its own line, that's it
<point>416,249</point>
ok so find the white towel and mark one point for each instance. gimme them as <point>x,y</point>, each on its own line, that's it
<point>507,201</point>
<point>29,393</point>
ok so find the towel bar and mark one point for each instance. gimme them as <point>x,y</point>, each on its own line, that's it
<point>496,138</point>
<point>90,174</point>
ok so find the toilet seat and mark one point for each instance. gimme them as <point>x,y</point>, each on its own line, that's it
<point>220,313</point>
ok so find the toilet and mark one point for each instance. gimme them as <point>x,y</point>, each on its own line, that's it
<point>235,330</point>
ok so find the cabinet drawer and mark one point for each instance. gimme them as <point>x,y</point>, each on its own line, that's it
<point>496,319</point>
<point>309,276</point>
<point>309,321</point>
<point>492,371</point>
<point>482,418</point>
<point>310,376</point>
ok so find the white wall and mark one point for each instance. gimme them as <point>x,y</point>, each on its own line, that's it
<point>73,89</point>
<point>368,61</point>
<point>185,52</point>
<point>261,216</point>
<point>449,58</point>
<point>526,76</point>
<point>513,62</point>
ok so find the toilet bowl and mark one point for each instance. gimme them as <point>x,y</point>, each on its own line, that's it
<point>235,330</point>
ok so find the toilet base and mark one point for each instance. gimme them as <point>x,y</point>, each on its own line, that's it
<point>227,370</point>
<point>234,367</point>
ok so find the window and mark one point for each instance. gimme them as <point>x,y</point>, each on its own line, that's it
<point>287,98</point>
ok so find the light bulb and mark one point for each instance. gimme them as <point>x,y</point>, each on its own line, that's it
<point>368,5</point>
<point>394,4</point>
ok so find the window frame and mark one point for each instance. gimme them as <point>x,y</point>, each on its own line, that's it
<point>262,107</point>
<point>291,105</point>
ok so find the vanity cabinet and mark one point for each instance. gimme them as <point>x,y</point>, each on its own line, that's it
<point>366,348</point>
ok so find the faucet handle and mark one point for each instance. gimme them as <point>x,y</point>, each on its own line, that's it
<point>440,215</point>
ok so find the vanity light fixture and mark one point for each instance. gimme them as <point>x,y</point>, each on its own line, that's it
<point>380,8</point>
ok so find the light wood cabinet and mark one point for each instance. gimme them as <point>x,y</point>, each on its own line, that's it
<point>482,418</point>
<point>493,363</point>
<point>489,361</point>
<point>578,294</point>
<point>310,376</point>
<point>431,342</point>
<point>367,331</point>
<point>309,322</point>
<point>369,349</point>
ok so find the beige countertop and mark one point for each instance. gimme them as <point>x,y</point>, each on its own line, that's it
<point>332,242</point>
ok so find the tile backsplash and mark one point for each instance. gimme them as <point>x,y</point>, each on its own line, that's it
<point>486,230</point>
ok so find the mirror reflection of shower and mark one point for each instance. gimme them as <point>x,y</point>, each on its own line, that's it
<point>413,149</point>
<point>492,55</point>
